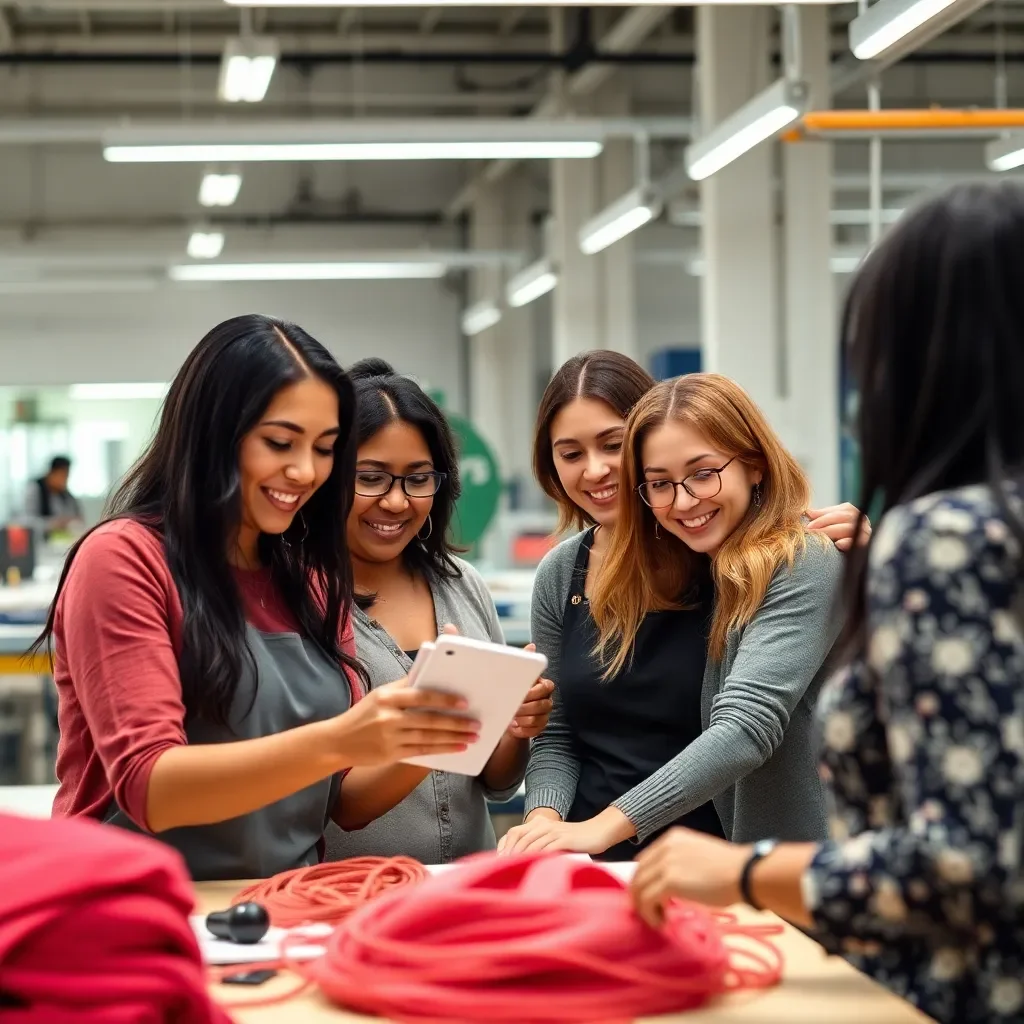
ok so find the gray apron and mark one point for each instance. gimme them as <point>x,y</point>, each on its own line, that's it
<point>298,684</point>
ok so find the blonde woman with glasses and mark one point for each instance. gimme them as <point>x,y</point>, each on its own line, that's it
<point>712,519</point>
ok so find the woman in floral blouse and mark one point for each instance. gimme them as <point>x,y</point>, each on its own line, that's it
<point>921,884</point>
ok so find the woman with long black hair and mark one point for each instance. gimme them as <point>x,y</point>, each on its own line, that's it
<point>921,884</point>
<point>203,655</point>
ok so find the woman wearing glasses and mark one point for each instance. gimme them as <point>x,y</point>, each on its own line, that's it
<point>688,664</point>
<point>409,586</point>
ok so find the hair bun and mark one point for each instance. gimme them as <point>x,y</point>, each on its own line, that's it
<point>371,367</point>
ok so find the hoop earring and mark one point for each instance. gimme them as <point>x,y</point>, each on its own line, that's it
<point>430,529</point>
<point>757,495</point>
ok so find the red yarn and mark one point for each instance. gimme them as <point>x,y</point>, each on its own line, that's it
<point>330,891</point>
<point>534,939</point>
<point>94,928</point>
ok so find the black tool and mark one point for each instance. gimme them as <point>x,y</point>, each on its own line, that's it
<point>245,923</point>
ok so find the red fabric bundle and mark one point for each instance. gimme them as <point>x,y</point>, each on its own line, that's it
<point>94,928</point>
<point>534,939</point>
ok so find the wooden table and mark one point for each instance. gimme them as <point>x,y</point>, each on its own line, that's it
<point>816,989</point>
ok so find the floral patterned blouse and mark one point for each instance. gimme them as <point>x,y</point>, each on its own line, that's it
<point>921,885</point>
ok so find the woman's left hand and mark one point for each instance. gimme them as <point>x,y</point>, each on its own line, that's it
<point>555,836</point>
<point>684,864</point>
<point>839,524</point>
<point>532,716</point>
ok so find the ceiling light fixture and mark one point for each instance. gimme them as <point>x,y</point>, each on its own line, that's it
<point>246,68</point>
<point>105,392</point>
<point>480,316</point>
<point>531,283</point>
<point>886,22</point>
<point>621,218</point>
<point>760,119</point>
<point>219,189</point>
<point>1006,153</point>
<point>205,245</point>
<point>334,271</point>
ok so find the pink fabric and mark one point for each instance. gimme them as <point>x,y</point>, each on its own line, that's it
<point>94,928</point>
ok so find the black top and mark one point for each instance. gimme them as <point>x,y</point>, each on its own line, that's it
<point>626,728</point>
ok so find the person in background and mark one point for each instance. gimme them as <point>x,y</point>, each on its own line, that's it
<point>921,884</point>
<point>49,502</point>
<point>410,585</point>
<point>207,688</point>
<point>603,740</point>
<point>710,525</point>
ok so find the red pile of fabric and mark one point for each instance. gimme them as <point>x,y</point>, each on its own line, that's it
<point>94,928</point>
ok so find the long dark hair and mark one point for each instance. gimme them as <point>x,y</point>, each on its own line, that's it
<point>383,397</point>
<point>933,328</point>
<point>186,487</point>
<point>602,374</point>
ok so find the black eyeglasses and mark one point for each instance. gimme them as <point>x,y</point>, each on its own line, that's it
<point>705,483</point>
<point>375,483</point>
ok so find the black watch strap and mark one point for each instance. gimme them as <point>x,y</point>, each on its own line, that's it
<point>760,850</point>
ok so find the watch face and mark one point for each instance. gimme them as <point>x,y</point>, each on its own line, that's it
<point>765,846</point>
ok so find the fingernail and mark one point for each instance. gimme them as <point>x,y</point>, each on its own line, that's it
<point>515,724</point>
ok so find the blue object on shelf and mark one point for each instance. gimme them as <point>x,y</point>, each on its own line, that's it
<point>674,362</point>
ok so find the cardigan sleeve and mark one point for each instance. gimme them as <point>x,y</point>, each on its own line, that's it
<point>553,769</point>
<point>780,652</point>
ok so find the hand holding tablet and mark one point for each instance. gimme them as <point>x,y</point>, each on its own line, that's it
<point>492,679</point>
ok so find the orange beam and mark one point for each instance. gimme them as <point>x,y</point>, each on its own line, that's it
<point>896,120</point>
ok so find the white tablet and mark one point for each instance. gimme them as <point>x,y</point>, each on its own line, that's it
<point>492,678</point>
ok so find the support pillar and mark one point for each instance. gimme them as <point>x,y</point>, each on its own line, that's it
<point>811,336</point>
<point>740,283</point>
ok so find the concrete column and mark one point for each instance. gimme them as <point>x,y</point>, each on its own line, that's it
<point>577,305</point>
<point>618,176</point>
<point>811,347</point>
<point>739,285</point>
<point>485,401</point>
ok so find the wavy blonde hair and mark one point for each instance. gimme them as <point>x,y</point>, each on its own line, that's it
<point>642,573</point>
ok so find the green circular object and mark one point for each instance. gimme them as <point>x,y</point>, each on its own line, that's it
<point>481,483</point>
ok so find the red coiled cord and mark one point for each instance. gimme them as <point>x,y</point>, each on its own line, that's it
<point>330,891</point>
<point>534,939</point>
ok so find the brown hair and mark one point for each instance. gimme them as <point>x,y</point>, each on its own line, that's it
<point>642,573</point>
<point>606,376</point>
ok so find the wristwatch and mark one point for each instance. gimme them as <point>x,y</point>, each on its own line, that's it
<point>760,850</point>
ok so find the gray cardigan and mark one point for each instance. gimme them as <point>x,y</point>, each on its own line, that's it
<point>446,816</point>
<point>757,756</point>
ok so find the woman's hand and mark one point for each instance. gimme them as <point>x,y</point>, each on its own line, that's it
<point>397,721</point>
<point>532,716</point>
<point>839,524</point>
<point>547,832</point>
<point>689,865</point>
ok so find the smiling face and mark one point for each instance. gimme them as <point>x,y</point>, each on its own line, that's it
<point>586,442</point>
<point>677,451</point>
<point>285,458</point>
<point>380,527</point>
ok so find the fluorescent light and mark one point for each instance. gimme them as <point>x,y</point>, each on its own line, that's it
<point>1006,153</point>
<point>104,392</point>
<point>205,245</point>
<point>757,121</point>
<point>888,21</point>
<point>219,189</point>
<point>531,283</point>
<point>839,263</point>
<point>624,216</point>
<point>480,316</point>
<point>344,271</point>
<point>229,152</point>
<point>246,69</point>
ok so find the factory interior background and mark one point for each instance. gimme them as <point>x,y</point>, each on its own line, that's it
<point>509,185</point>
